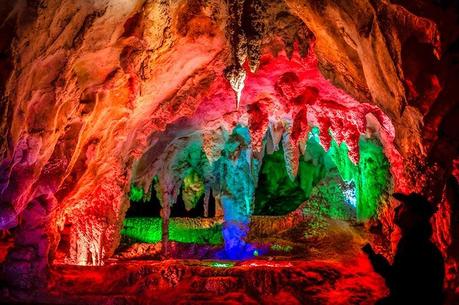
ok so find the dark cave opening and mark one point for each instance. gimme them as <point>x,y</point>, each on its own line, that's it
<point>151,207</point>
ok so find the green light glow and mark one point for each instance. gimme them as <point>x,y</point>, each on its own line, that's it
<point>333,183</point>
<point>371,175</point>
<point>221,265</point>
<point>136,193</point>
<point>192,189</point>
<point>277,247</point>
<point>149,230</point>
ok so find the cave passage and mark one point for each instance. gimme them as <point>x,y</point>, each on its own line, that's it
<point>328,185</point>
<point>150,206</point>
<point>347,190</point>
<point>143,222</point>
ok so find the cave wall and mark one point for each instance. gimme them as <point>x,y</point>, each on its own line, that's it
<point>97,95</point>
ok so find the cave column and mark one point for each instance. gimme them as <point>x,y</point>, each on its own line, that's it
<point>237,174</point>
<point>206,200</point>
<point>167,188</point>
<point>165,215</point>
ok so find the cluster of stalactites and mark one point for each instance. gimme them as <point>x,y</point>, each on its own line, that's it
<point>232,177</point>
<point>193,164</point>
<point>339,125</point>
<point>252,26</point>
<point>225,159</point>
<point>239,41</point>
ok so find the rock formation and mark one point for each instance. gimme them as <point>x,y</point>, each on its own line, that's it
<point>99,96</point>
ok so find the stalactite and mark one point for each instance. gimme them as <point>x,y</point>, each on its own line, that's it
<point>235,73</point>
<point>291,154</point>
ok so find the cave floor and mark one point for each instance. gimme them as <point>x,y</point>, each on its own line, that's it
<point>264,280</point>
<point>328,268</point>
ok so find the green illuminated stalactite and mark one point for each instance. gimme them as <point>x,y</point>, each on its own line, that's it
<point>339,156</point>
<point>370,176</point>
<point>192,190</point>
<point>374,177</point>
<point>312,167</point>
<point>136,193</point>
<point>329,182</point>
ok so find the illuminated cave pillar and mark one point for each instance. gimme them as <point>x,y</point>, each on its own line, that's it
<point>165,215</point>
<point>167,189</point>
<point>237,172</point>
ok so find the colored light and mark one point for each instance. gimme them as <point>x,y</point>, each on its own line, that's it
<point>149,230</point>
<point>221,265</point>
<point>330,176</point>
<point>136,193</point>
<point>334,185</point>
<point>192,189</point>
<point>268,264</point>
<point>236,172</point>
<point>370,176</point>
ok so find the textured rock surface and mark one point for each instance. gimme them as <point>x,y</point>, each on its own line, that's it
<point>96,95</point>
<point>208,282</point>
